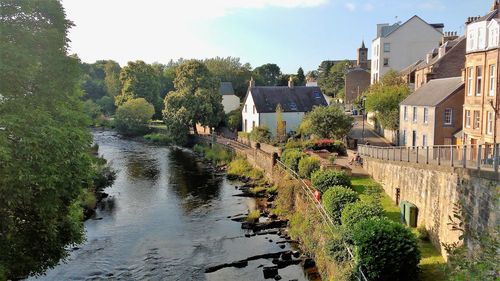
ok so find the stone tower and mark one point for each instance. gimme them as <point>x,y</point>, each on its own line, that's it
<point>362,56</point>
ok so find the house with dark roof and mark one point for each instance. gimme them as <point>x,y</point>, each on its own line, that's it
<point>432,114</point>
<point>401,44</point>
<point>230,101</point>
<point>260,103</point>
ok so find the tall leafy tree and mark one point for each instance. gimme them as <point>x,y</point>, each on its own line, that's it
<point>300,78</point>
<point>267,74</point>
<point>327,122</point>
<point>44,143</point>
<point>196,99</point>
<point>384,98</point>
<point>230,69</point>
<point>112,78</point>
<point>140,80</point>
<point>332,77</point>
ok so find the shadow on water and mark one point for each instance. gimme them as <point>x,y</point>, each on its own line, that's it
<point>142,167</point>
<point>191,181</point>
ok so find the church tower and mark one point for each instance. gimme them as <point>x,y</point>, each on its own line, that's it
<point>362,56</point>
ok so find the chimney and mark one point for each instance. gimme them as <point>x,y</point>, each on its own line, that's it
<point>428,57</point>
<point>290,82</point>
<point>494,6</point>
<point>252,83</point>
<point>449,36</point>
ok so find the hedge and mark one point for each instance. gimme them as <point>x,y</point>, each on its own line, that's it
<point>357,211</point>
<point>336,198</point>
<point>291,158</point>
<point>385,250</point>
<point>308,165</point>
<point>322,180</point>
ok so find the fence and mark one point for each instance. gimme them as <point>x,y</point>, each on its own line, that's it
<point>326,217</point>
<point>471,156</point>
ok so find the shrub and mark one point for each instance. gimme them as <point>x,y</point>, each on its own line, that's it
<point>291,143</point>
<point>217,154</point>
<point>241,167</point>
<point>133,116</point>
<point>385,250</point>
<point>337,245</point>
<point>308,165</point>
<point>291,158</point>
<point>322,180</point>
<point>253,216</point>
<point>336,198</point>
<point>158,138</point>
<point>261,134</point>
<point>330,145</point>
<point>357,211</point>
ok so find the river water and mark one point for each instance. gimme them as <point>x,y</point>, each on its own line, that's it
<point>166,218</point>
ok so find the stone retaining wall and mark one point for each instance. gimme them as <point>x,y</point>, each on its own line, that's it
<point>435,190</point>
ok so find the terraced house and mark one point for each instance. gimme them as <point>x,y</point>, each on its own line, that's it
<point>481,105</point>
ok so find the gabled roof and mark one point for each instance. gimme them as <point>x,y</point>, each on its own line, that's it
<point>388,30</point>
<point>454,45</point>
<point>434,92</point>
<point>291,99</point>
<point>409,69</point>
<point>226,88</point>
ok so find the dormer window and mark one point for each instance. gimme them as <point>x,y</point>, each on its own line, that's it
<point>293,106</point>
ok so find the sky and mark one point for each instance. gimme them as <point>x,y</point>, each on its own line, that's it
<point>290,33</point>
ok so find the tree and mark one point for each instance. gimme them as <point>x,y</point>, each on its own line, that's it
<point>196,99</point>
<point>133,116</point>
<point>332,79</point>
<point>140,80</point>
<point>267,74</point>
<point>384,98</point>
<point>280,124</point>
<point>336,198</point>
<point>93,80</point>
<point>230,69</point>
<point>233,120</point>
<point>327,122</point>
<point>112,78</point>
<point>107,105</point>
<point>300,78</point>
<point>44,142</point>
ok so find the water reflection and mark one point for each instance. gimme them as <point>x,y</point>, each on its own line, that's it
<point>191,181</point>
<point>142,167</point>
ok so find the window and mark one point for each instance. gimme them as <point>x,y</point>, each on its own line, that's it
<point>405,113</point>
<point>489,123</point>
<point>404,137</point>
<point>387,47</point>
<point>479,79</point>
<point>245,108</point>
<point>471,40</point>
<point>245,127</point>
<point>414,114</point>
<point>424,140</point>
<point>253,109</point>
<point>448,116</point>
<point>477,119</point>
<point>469,81</point>
<point>386,61</point>
<point>492,81</point>
<point>467,118</point>
<point>253,125</point>
<point>426,115</point>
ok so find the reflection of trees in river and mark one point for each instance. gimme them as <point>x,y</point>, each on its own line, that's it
<point>191,181</point>
<point>142,167</point>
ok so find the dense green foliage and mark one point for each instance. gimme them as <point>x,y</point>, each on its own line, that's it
<point>384,98</point>
<point>327,122</point>
<point>158,138</point>
<point>308,165</point>
<point>233,120</point>
<point>331,77</point>
<point>322,180</point>
<point>354,213</point>
<point>240,167</point>
<point>291,158</point>
<point>261,134</point>
<point>336,198</point>
<point>132,117</point>
<point>196,100</point>
<point>328,144</point>
<point>217,154</point>
<point>230,69</point>
<point>267,75</point>
<point>300,78</point>
<point>44,145</point>
<point>385,250</point>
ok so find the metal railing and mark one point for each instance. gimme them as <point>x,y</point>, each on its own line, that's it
<point>321,210</point>
<point>471,156</point>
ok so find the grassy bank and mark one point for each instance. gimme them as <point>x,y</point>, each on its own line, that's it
<point>432,263</point>
<point>217,154</point>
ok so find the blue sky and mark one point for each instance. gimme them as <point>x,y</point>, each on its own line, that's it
<point>290,33</point>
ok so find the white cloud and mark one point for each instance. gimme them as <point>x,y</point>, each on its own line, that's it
<point>350,6</point>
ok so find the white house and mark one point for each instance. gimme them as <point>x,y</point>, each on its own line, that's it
<point>399,45</point>
<point>230,101</point>
<point>259,106</point>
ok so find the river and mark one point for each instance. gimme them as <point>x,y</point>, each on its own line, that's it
<point>166,218</point>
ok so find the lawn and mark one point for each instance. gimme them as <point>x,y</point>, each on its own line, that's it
<point>431,263</point>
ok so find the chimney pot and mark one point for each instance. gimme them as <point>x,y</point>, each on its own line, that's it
<point>252,82</point>
<point>290,82</point>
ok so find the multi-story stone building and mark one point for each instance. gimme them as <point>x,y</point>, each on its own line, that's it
<point>357,78</point>
<point>481,104</point>
<point>399,45</point>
